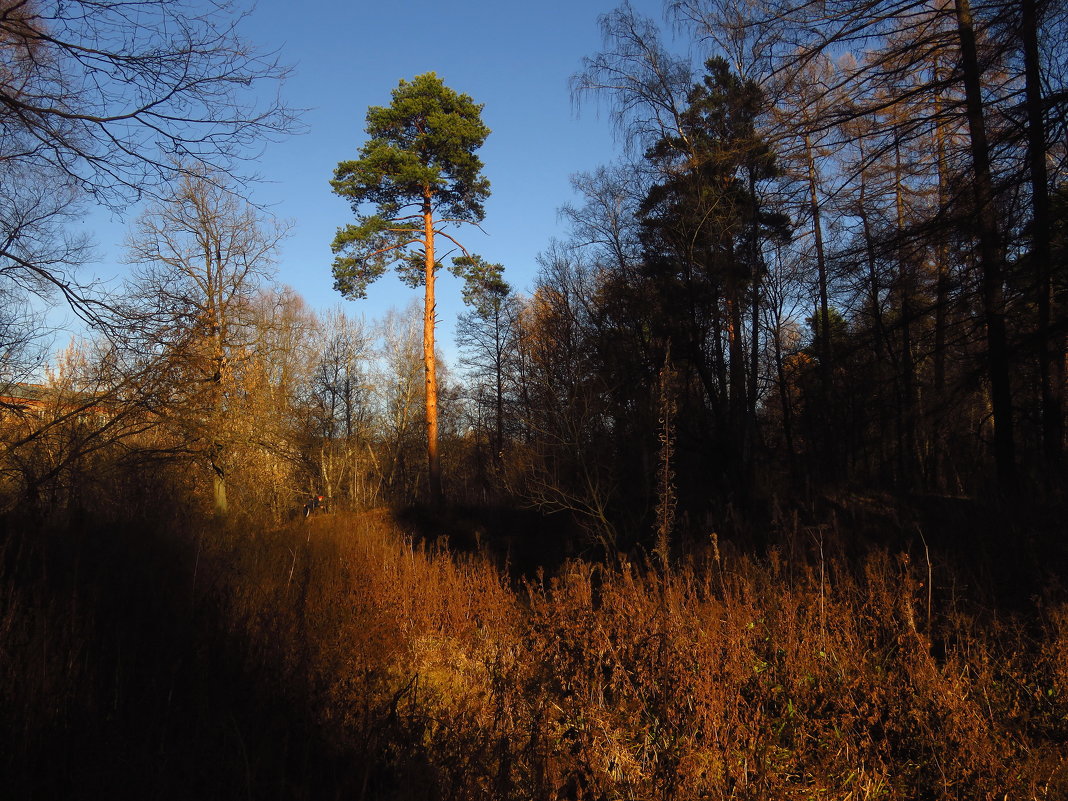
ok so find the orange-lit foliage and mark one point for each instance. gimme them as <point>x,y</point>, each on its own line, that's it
<point>410,672</point>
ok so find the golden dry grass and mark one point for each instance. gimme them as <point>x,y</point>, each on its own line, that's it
<point>409,672</point>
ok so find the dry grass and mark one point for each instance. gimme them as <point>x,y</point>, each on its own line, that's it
<point>338,658</point>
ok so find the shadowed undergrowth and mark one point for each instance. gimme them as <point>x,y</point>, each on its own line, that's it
<point>337,659</point>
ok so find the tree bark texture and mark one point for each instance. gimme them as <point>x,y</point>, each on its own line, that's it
<point>429,362</point>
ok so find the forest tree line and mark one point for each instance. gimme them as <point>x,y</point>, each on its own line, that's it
<point>832,256</point>
<point>796,369</point>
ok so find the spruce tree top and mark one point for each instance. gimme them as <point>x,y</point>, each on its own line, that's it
<point>419,157</point>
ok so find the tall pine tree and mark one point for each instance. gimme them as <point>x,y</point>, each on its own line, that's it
<point>419,171</point>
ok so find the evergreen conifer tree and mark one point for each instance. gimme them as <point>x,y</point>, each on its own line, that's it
<point>419,171</point>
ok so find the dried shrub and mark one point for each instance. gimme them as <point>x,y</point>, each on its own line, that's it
<point>417,673</point>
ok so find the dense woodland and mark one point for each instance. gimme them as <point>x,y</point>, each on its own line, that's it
<point>758,492</point>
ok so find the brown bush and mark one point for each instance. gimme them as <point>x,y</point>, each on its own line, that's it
<point>729,679</point>
<point>422,674</point>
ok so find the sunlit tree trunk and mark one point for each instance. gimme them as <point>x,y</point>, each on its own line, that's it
<point>216,334</point>
<point>429,363</point>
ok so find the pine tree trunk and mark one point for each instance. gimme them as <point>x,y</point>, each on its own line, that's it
<point>429,362</point>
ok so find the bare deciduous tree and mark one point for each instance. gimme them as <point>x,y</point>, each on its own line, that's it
<point>119,95</point>
<point>202,254</point>
<point>112,101</point>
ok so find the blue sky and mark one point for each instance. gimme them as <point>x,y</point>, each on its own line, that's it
<point>515,58</point>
